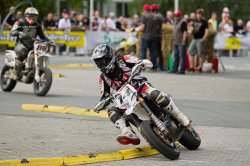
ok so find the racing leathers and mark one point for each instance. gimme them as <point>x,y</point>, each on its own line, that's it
<point>25,34</point>
<point>115,80</point>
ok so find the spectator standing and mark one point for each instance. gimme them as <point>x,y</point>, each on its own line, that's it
<point>210,42</point>
<point>167,43</point>
<point>213,21</point>
<point>11,19</point>
<point>169,18</point>
<point>226,25</point>
<point>136,21</point>
<point>19,15</point>
<point>86,22</point>
<point>97,20</point>
<point>64,25</point>
<point>56,20</point>
<point>180,41</point>
<point>197,46</point>
<point>125,25</point>
<point>95,24</point>
<point>74,21</point>
<point>111,22</point>
<point>119,23</point>
<point>149,34</point>
<point>158,39</point>
<point>248,26</point>
<point>49,23</point>
<point>239,28</point>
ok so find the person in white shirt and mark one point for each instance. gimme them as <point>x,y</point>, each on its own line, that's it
<point>64,23</point>
<point>111,23</point>
<point>248,26</point>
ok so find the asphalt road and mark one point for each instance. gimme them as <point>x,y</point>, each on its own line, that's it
<point>214,101</point>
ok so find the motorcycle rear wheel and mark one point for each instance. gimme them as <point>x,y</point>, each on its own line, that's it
<point>190,139</point>
<point>7,84</point>
<point>169,151</point>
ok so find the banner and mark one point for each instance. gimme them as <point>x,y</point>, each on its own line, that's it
<point>70,39</point>
<point>99,37</point>
<point>226,41</point>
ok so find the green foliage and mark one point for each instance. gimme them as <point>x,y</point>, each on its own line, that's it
<point>238,9</point>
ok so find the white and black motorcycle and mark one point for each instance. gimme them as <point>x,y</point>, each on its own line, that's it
<point>34,69</point>
<point>158,127</point>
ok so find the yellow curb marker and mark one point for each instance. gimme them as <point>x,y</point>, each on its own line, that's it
<point>58,75</point>
<point>65,109</point>
<point>71,66</point>
<point>84,159</point>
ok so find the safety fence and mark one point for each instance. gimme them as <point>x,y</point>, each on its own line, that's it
<point>88,40</point>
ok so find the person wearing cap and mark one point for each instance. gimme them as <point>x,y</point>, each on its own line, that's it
<point>149,34</point>
<point>180,43</point>
<point>197,46</point>
<point>160,21</point>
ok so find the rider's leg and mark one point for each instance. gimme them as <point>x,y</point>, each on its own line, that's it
<point>127,135</point>
<point>166,103</point>
<point>22,53</point>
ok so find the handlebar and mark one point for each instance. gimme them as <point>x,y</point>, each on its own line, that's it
<point>103,103</point>
<point>50,42</point>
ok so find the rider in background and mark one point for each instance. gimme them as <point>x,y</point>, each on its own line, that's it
<point>115,72</point>
<point>26,29</point>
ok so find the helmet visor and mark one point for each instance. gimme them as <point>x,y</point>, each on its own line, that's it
<point>31,17</point>
<point>102,63</point>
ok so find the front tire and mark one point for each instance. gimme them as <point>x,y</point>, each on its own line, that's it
<point>190,139</point>
<point>7,84</point>
<point>42,87</point>
<point>169,151</point>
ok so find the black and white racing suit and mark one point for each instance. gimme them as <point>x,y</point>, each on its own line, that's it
<point>25,34</point>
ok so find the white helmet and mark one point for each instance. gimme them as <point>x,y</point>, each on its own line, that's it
<point>31,11</point>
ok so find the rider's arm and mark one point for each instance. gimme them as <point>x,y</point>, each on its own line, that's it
<point>41,34</point>
<point>131,61</point>
<point>104,88</point>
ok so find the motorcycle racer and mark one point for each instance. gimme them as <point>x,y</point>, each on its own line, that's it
<point>25,29</point>
<point>115,72</point>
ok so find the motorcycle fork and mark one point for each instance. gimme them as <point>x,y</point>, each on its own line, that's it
<point>159,124</point>
<point>37,78</point>
<point>169,132</point>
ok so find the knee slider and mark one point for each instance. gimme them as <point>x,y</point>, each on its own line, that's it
<point>114,114</point>
<point>160,98</point>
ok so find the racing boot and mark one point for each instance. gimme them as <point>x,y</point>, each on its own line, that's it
<point>14,72</point>
<point>127,136</point>
<point>175,112</point>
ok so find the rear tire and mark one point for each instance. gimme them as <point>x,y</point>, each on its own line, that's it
<point>170,152</point>
<point>191,140</point>
<point>41,88</point>
<point>7,84</point>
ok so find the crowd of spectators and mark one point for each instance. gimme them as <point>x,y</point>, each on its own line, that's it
<point>174,33</point>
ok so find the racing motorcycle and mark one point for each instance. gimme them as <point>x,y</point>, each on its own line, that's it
<point>128,45</point>
<point>158,127</point>
<point>34,69</point>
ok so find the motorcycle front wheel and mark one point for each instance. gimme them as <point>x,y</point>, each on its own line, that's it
<point>7,84</point>
<point>42,87</point>
<point>169,151</point>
